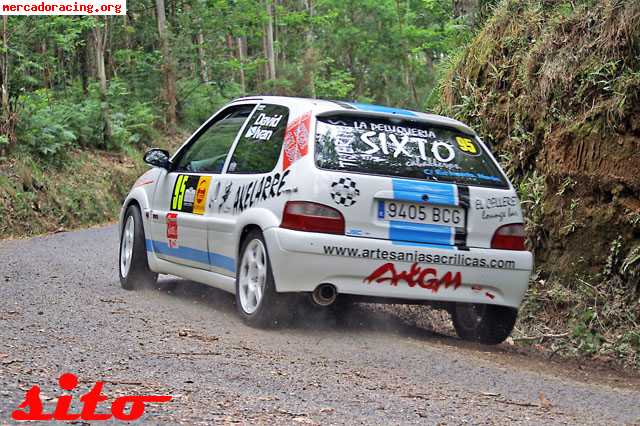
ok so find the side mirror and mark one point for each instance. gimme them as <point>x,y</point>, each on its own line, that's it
<point>158,158</point>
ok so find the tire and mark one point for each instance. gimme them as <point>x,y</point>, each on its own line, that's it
<point>133,266</point>
<point>257,302</point>
<point>487,324</point>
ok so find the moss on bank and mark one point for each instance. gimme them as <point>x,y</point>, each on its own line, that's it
<point>87,189</point>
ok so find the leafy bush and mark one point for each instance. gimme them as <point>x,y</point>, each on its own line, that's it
<point>44,129</point>
<point>52,123</point>
<point>199,100</point>
<point>339,85</point>
<point>132,120</point>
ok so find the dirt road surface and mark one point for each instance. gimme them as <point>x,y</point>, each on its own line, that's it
<point>62,310</point>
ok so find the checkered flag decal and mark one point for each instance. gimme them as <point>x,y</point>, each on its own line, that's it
<point>344,192</point>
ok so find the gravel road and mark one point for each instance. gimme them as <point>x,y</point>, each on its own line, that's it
<point>62,310</point>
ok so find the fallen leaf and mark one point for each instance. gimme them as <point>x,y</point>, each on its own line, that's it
<point>544,402</point>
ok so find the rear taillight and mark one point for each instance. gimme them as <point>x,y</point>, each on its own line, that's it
<point>509,237</point>
<point>312,217</point>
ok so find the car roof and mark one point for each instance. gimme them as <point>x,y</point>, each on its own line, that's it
<point>327,107</point>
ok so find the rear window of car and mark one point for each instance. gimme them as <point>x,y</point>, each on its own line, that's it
<point>405,149</point>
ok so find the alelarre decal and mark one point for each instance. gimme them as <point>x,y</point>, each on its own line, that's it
<point>259,190</point>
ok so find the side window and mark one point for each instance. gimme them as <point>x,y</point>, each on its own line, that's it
<point>209,151</point>
<point>259,147</point>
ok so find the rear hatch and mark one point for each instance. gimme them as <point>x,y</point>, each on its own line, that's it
<point>403,179</point>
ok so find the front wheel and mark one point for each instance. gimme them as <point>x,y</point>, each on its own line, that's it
<point>257,301</point>
<point>487,324</point>
<point>133,264</point>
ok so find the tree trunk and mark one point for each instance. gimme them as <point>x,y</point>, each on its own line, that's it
<point>264,50</point>
<point>99,42</point>
<point>127,36</point>
<point>46,72</point>
<point>202,61</point>
<point>406,63</point>
<point>269,52</point>
<point>169,92</point>
<point>242,54</point>
<point>84,67</point>
<point>310,56</point>
<point>8,118</point>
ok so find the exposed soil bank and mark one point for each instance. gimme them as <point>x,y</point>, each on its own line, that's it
<point>555,86</point>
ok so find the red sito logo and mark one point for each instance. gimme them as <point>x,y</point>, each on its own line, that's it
<point>90,401</point>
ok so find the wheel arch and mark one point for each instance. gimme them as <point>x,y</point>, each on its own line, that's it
<point>243,234</point>
<point>255,218</point>
<point>139,199</point>
<point>130,202</point>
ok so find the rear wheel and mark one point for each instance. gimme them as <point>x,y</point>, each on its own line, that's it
<point>257,301</point>
<point>133,264</point>
<point>488,324</point>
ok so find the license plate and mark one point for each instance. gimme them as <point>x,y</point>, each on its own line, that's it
<point>421,213</point>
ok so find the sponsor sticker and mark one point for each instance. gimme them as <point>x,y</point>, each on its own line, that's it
<point>467,146</point>
<point>296,140</point>
<point>259,190</point>
<point>172,229</point>
<point>426,278</point>
<point>345,192</point>
<point>201,194</point>
<point>190,194</point>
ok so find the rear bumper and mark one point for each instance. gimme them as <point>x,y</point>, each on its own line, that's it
<point>379,268</point>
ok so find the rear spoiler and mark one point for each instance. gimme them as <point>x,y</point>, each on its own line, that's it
<point>433,119</point>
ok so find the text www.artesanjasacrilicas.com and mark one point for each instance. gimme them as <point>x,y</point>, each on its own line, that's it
<point>457,259</point>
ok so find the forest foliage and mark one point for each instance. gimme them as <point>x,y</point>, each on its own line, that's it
<point>108,82</point>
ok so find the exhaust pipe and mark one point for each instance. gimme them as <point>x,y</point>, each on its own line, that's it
<point>324,294</point>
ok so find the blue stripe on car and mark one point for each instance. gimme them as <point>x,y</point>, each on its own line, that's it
<point>414,190</point>
<point>380,108</point>
<point>423,245</point>
<point>421,233</point>
<point>194,255</point>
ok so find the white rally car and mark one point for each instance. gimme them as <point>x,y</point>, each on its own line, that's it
<point>274,197</point>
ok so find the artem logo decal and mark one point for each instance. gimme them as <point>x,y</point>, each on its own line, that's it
<point>426,278</point>
<point>190,194</point>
